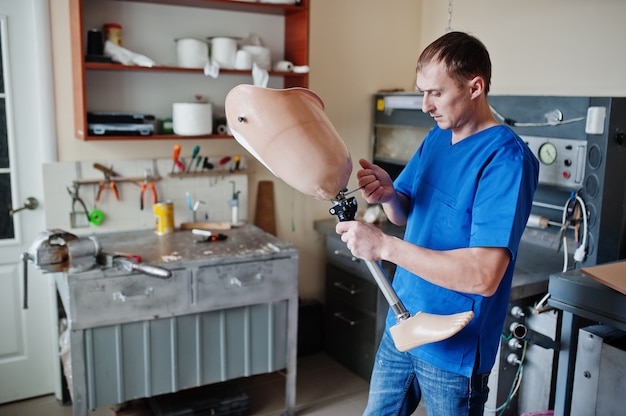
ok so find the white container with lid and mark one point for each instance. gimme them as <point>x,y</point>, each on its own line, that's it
<point>192,119</point>
<point>192,53</point>
<point>223,51</point>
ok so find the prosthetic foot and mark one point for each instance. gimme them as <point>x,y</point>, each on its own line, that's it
<point>424,328</point>
<point>289,132</point>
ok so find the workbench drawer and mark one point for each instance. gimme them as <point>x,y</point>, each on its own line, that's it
<point>126,298</point>
<point>351,289</point>
<point>235,284</point>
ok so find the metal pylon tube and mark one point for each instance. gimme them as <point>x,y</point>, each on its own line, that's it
<point>385,287</point>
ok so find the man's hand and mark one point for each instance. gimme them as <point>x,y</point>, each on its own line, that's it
<point>376,184</point>
<point>364,241</point>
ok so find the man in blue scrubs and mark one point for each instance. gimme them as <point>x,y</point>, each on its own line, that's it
<point>464,197</point>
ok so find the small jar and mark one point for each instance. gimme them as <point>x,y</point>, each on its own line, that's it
<point>113,33</point>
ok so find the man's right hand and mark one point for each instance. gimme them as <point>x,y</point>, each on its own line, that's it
<point>376,184</point>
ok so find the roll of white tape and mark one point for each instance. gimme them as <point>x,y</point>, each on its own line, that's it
<point>536,221</point>
<point>302,69</point>
<point>223,129</point>
<point>283,66</point>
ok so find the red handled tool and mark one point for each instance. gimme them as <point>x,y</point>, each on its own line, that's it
<point>148,182</point>
<point>107,181</point>
<point>177,163</point>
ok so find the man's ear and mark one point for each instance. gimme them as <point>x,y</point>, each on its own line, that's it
<point>477,86</point>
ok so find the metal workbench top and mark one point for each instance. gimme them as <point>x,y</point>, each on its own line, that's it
<point>185,249</point>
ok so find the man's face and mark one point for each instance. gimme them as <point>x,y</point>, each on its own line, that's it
<point>444,100</point>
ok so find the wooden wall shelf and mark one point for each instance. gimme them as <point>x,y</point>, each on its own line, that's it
<point>296,50</point>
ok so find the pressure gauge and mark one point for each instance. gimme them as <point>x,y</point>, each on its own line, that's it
<point>547,153</point>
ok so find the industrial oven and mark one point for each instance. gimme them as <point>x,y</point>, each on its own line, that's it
<point>578,217</point>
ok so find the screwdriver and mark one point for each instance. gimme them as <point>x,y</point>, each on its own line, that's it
<point>198,162</point>
<point>177,163</point>
<point>193,156</point>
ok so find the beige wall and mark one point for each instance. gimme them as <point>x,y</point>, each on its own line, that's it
<point>538,47</point>
<point>361,46</point>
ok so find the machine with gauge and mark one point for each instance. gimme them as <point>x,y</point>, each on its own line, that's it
<point>578,217</point>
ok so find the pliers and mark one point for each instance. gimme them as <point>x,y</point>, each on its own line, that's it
<point>75,199</point>
<point>148,182</point>
<point>107,181</point>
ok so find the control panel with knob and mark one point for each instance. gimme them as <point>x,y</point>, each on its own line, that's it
<point>562,160</point>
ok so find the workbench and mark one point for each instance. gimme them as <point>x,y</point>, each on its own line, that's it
<point>582,300</point>
<point>228,311</point>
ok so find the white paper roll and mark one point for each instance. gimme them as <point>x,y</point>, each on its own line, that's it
<point>192,119</point>
<point>283,66</point>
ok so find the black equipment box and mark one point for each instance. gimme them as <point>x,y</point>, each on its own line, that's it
<point>222,399</point>
<point>118,118</point>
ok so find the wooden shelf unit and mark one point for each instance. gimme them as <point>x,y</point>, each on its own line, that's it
<point>296,50</point>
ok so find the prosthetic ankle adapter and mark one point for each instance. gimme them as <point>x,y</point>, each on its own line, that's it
<point>289,132</point>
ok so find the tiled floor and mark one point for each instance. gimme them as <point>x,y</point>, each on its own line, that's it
<point>324,387</point>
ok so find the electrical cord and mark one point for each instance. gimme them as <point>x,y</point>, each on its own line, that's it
<point>517,382</point>
<point>568,209</point>
<point>581,251</point>
<point>511,122</point>
<point>564,237</point>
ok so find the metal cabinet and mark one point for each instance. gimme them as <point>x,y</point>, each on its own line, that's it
<point>222,316</point>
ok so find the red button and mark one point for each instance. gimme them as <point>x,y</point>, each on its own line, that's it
<point>566,174</point>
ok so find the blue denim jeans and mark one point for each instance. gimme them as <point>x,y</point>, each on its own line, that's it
<point>400,381</point>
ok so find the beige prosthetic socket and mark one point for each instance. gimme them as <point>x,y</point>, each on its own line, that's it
<point>289,132</point>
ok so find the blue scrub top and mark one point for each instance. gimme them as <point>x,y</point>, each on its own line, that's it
<point>475,193</point>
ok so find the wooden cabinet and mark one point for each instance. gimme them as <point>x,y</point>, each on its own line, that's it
<point>137,89</point>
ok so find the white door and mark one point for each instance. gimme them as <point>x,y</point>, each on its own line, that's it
<point>28,354</point>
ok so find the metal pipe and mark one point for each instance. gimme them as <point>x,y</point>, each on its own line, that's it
<point>396,305</point>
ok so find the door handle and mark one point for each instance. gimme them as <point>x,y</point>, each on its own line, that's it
<point>30,203</point>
